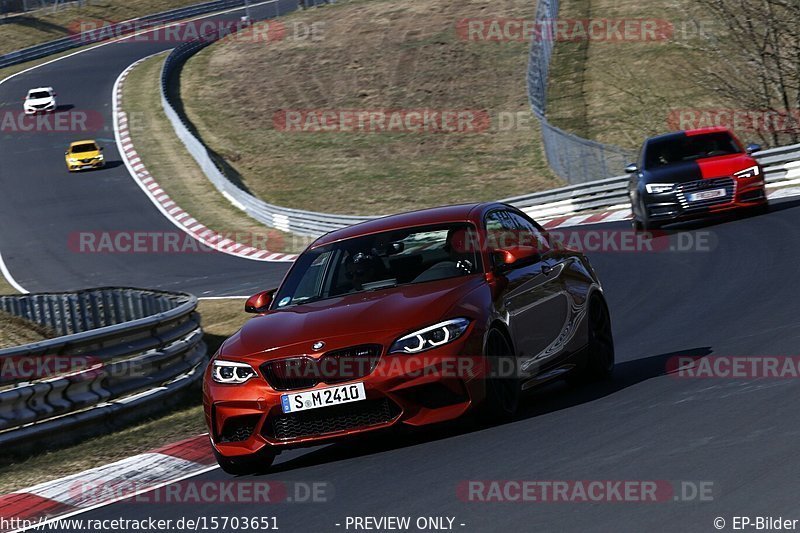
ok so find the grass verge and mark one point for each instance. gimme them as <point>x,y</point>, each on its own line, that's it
<point>368,55</point>
<point>179,175</point>
<point>36,27</point>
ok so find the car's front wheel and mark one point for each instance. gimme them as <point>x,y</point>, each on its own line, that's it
<point>503,386</point>
<point>240,466</point>
<point>599,362</point>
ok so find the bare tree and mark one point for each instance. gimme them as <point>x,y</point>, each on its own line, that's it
<point>753,62</point>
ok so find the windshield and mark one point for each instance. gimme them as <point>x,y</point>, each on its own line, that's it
<point>379,261</point>
<point>83,148</point>
<point>38,94</point>
<point>665,152</point>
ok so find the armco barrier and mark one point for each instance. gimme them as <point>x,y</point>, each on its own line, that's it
<point>122,352</point>
<point>598,194</point>
<point>293,220</point>
<point>113,31</point>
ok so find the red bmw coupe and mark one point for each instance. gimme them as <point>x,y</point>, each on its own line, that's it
<point>411,319</point>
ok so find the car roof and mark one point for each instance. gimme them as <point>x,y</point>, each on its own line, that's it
<point>675,135</point>
<point>50,89</point>
<point>423,217</point>
<point>87,141</point>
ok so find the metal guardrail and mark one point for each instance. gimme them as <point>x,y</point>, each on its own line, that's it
<point>613,192</point>
<point>296,221</point>
<point>121,350</point>
<point>573,199</point>
<point>113,31</point>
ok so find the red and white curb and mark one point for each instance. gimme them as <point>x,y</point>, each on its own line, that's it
<point>162,200</point>
<point>106,484</point>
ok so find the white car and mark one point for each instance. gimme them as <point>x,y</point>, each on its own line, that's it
<point>40,100</point>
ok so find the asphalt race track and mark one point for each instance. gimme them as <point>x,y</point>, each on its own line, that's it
<point>42,206</point>
<point>736,299</point>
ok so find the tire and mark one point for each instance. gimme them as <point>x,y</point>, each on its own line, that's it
<point>502,392</point>
<point>598,364</point>
<point>645,224</point>
<point>240,466</point>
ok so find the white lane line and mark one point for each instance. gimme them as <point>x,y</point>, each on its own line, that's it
<point>115,91</point>
<point>9,278</point>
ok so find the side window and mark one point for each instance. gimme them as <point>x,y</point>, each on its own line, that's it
<point>501,230</point>
<point>529,233</point>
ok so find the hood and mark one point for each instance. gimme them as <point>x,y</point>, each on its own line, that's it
<point>369,317</point>
<point>85,155</point>
<point>39,101</point>
<point>711,167</point>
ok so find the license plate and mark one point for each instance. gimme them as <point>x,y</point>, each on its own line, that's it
<point>707,195</point>
<point>303,401</point>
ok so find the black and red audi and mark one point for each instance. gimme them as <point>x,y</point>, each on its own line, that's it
<point>411,319</point>
<point>691,174</point>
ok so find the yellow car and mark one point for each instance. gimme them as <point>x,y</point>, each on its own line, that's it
<point>84,154</point>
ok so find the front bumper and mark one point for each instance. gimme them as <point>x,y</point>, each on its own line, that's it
<point>432,387</point>
<point>675,206</point>
<point>34,110</point>
<point>85,166</point>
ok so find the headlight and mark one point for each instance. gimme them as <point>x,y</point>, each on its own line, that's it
<point>430,337</point>
<point>229,372</point>
<point>73,160</point>
<point>751,172</point>
<point>99,157</point>
<point>658,188</point>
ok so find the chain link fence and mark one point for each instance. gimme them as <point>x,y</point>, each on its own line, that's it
<point>573,158</point>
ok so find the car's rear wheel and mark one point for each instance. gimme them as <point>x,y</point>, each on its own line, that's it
<point>503,386</point>
<point>600,358</point>
<point>239,466</point>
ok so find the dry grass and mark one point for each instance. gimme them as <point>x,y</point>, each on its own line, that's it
<point>622,92</point>
<point>24,30</point>
<point>15,331</point>
<point>178,174</point>
<point>379,54</point>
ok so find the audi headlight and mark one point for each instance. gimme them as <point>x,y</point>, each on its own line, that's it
<point>231,373</point>
<point>431,337</point>
<point>658,188</point>
<point>747,173</point>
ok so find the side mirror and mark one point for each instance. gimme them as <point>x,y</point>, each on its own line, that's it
<point>102,148</point>
<point>506,258</point>
<point>631,168</point>
<point>752,147</point>
<point>259,303</point>
<point>66,153</point>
